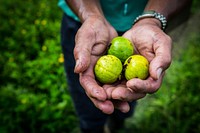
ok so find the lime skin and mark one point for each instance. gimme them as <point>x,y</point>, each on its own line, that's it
<point>108,69</point>
<point>121,47</point>
<point>136,66</point>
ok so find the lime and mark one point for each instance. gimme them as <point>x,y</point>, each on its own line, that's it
<point>121,47</point>
<point>108,69</point>
<point>136,66</point>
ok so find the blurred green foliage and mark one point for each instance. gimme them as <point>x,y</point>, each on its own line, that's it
<point>33,94</point>
<point>195,6</point>
<point>33,90</point>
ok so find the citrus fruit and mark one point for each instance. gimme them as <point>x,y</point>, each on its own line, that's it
<point>136,66</point>
<point>108,69</point>
<point>121,47</point>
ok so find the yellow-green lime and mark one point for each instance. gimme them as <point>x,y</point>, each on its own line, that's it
<point>108,69</point>
<point>121,47</point>
<point>136,66</point>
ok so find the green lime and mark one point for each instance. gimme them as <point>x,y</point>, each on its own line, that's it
<point>121,47</point>
<point>136,66</point>
<point>108,69</point>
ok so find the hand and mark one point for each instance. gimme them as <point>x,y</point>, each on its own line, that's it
<point>150,41</point>
<point>91,41</point>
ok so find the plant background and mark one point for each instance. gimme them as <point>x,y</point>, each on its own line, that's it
<point>33,88</point>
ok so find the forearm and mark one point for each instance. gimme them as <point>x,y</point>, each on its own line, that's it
<point>85,8</point>
<point>168,8</point>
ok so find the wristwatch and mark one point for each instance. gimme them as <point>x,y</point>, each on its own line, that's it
<point>153,14</point>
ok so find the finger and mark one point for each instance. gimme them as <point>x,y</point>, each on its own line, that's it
<point>162,59</point>
<point>96,93</point>
<point>106,107</point>
<point>109,88</point>
<point>92,88</point>
<point>88,82</point>
<point>149,85</point>
<point>126,94</point>
<point>84,41</point>
<point>121,105</point>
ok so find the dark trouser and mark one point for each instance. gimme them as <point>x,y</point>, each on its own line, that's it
<point>92,120</point>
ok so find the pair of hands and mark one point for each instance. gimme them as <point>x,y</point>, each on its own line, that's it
<point>92,40</point>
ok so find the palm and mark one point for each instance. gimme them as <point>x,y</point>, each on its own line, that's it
<point>151,42</point>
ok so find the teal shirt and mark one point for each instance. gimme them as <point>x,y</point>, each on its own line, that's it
<point>120,13</point>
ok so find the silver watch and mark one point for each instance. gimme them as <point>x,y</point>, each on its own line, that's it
<point>153,14</point>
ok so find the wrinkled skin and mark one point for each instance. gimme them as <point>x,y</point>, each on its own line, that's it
<point>92,40</point>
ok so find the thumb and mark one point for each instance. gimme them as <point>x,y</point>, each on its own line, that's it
<point>82,60</point>
<point>162,59</point>
<point>160,63</point>
<point>155,69</point>
<point>82,51</point>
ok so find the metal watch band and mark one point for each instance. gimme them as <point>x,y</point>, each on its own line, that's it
<point>153,14</point>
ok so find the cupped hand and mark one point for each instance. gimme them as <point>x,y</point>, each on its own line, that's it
<point>91,42</point>
<point>150,41</point>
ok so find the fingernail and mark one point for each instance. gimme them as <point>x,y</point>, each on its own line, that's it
<point>159,72</point>
<point>77,64</point>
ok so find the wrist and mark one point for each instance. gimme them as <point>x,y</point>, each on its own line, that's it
<point>85,8</point>
<point>86,15</point>
<point>156,16</point>
<point>90,9</point>
<point>149,21</point>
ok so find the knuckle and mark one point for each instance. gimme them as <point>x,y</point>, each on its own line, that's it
<point>154,88</point>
